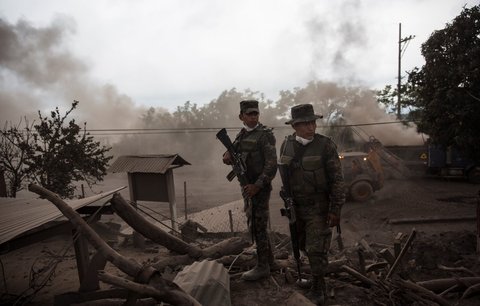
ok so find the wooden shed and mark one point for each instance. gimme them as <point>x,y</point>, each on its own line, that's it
<point>150,178</point>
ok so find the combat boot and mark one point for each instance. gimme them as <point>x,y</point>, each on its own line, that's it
<point>260,271</point>
<point>262,268</point>
<point>317,291</point>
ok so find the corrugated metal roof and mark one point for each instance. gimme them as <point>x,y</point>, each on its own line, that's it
<point>19,215</point>
<point>147,163</point>
<point>207,281</point>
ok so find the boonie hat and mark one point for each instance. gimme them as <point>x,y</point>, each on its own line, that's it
<point>248,106</point>
<point>303,113</point>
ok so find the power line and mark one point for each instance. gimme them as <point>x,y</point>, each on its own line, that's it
<point>153,131</point>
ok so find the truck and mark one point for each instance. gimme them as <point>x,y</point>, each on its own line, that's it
<point>450,162</point>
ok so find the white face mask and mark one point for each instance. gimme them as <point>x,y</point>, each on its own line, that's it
<point>303,141</point>
<point>249,129</point>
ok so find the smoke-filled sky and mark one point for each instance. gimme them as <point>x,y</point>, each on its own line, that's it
<point>120,57</point>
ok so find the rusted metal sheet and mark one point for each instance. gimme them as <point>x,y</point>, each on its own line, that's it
<point>147,163</point>
<point>18,215</point>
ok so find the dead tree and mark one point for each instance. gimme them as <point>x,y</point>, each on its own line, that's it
<point>187,253</point>
<point>165,291</point>
<point>149,230</point>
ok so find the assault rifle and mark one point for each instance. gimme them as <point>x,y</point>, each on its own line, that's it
<point>239,170</point>
<point>289,212</point>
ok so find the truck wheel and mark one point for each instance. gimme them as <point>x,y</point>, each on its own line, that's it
<point>361,191</point>
<point>474,175</point>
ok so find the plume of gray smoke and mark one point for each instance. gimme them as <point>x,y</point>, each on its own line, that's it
<point>366,110</point>
<point>37,72</point>
<point>337,37</point>
<point>338,40</point>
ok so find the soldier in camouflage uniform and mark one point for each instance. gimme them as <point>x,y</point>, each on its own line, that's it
<point>317,185</point>
<point>256,143</point>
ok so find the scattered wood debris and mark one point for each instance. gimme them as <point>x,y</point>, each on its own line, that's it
<point>381,273</point>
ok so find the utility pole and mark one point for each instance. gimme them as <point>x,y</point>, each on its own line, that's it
<point>399,84</point>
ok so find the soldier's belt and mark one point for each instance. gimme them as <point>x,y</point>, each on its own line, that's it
<point>318,198</point>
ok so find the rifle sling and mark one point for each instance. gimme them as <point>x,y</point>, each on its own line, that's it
<point>299,151</point>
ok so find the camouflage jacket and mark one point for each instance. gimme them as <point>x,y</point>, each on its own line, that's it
<point>258,150</point>
<point>318,171</point>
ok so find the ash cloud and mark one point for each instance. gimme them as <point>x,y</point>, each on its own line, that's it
<point>38,73</point>
<point>367,110</point>
<point>336,37</point>
<point>338,40</point>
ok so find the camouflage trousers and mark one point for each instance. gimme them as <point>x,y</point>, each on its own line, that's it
<point>260,215</point>
<point>314,234</point>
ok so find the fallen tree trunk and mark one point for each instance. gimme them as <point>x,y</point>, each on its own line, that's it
<point>425,292</point>
<point>473,289</point>
<point>130,267</point>
<point>457,269</point>
<point>172,262</point>
<point>166,290</point>
<point>234,245</point>
<point>149,230</point>
<point>376,266</point>
<point>431,220</point>
<point>243,261</point>
<point>442,284</point>
<point>158,293</point>
<point>238,260</point>
<point>358,276</point>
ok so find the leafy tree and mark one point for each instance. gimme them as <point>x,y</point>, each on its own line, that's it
<point>224,110</point>
<point>447,87</point>
<point>194,145</point>
<point>327,98</point>
<point>15,147</point>
<point>54,153</point>
<point>389,98</point>
<point>64,153</point>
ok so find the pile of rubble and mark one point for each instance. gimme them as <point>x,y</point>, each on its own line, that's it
<point>416,269</point>
<point>412,271</point>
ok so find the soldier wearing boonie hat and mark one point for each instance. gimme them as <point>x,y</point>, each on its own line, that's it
<point>317,186</point>
<point>303,113</point>
<point>256,143</point>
